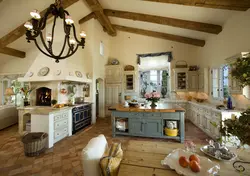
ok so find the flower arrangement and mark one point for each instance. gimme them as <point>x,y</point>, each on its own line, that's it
<point>26,91</point>
<point>153,97</point>
<point>241,71</point>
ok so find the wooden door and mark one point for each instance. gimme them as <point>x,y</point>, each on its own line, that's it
<point>113,93</point>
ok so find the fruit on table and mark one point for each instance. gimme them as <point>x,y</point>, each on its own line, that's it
<point>183,161</point>
<point>194,166</point>
<point>195,158</point>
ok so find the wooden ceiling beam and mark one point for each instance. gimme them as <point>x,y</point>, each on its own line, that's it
<point>160,35</point>
<point>197,26</point>
<point>101,17</point>
<point>239,5</point>
<point>20,30</point>
<point>87,18</point>
<point>12,52</point>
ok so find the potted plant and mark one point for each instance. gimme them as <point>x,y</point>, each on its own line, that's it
<point>164,83</point>
<point>154,97</point>
<point>53,102</point>
<point>241,71</point>
<point>26,92</point>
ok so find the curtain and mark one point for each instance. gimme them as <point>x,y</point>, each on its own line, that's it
<point>169,54</point>
<point>154,63</point>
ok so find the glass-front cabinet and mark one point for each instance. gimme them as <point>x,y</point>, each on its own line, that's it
<point>129,81</point>
<point>181,79</point>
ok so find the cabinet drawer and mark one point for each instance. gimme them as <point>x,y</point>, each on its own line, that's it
<point>155,114</point>
<point>57,117</point>
<point>59,133</point>
<point>135,114</point>
<point>60,124</point>
<point>65,115</point>
<point>173,116</point>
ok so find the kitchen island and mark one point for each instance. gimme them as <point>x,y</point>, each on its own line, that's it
<point>145,121</point>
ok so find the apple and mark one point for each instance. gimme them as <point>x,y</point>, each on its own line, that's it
<point>183,161</point>
<point>195,158</point>
<point>194,166</point>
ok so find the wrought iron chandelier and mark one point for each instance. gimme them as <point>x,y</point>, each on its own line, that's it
<point>36,26</point>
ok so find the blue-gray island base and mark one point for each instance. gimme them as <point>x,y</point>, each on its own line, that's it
<point>148,122</point>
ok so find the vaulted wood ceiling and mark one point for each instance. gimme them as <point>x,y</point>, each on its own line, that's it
<point>173,27</point>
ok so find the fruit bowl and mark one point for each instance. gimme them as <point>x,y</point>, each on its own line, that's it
<point>207,166</point>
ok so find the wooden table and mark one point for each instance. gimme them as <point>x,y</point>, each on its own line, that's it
<point>143,158</point>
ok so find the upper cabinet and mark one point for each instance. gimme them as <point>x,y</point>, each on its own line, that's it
<point>129,81</point>
<point>114,74</point>
<point>181,79</point>
<point>193,81</point>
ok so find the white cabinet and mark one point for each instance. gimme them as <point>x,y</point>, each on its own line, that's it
<point>203,80</point>
<point>112,96</point>
<point>57,124</point>
<point>129,81</point>
<point>181,79</point>
<point>113,74</point>
<point>193,81</point>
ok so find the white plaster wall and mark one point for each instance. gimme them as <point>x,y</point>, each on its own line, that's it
<point>94,62</point>
<point>234,38</point>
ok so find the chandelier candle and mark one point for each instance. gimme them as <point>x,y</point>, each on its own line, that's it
<point>37,25</point>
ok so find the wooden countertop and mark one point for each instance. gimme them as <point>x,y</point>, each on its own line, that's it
<point>161,107</point>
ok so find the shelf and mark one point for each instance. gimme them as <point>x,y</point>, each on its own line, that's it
<point>122,133</point>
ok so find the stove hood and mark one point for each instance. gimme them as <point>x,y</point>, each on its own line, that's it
<point>44,69</point>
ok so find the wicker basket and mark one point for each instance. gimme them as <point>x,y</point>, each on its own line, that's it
<point>34,143</point>
<point>181,64</point>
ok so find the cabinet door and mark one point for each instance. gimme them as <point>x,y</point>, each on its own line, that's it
<point>136,126</point>
<point>153,127</point>
<point>129,82</point>
<point>193,81</point>
<point>113,92</point>
<point>201,81</point>
<point>181,81</point>
<point>113,74</point>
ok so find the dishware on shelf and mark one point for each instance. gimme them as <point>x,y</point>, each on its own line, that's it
<point>207,167</point>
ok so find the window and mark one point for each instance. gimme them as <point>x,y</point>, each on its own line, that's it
<point>101,48</point>
<point>154,80</point>
<point>220,82</point>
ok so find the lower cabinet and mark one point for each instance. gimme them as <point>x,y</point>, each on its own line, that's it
<point>153,127</point>
<point>145,127</point>
<point>137,126</point>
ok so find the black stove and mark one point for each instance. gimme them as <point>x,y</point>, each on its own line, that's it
<point>81,115</point>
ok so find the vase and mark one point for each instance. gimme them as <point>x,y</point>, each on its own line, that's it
<point>153,105</point>
<point>26,102</point>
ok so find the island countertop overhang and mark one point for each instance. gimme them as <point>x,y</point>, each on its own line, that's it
<point>161,107</point>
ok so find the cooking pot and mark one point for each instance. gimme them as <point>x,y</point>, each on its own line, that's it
<point>79,100</point>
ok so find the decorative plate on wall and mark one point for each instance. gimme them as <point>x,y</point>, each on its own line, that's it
<point>78,74</point>
<point>58,72</point>
<point>71,74</point>
<point>43,71</point>
<point>114,62</point>
<point>88,75</point>
<point>30,74</point>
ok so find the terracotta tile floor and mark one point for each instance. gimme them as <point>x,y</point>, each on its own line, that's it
<point>65,157</point>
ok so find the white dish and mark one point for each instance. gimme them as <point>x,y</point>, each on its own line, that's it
<point>78,74</point>
<point>208,167</point>
<point>58,72</point>
<point>43,71</point>
<point>204,150</point>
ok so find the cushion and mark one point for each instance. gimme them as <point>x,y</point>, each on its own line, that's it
<point>110,163</point>
<point>92,154</point>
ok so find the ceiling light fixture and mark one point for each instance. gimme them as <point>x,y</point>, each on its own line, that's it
<point>37,25</point>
